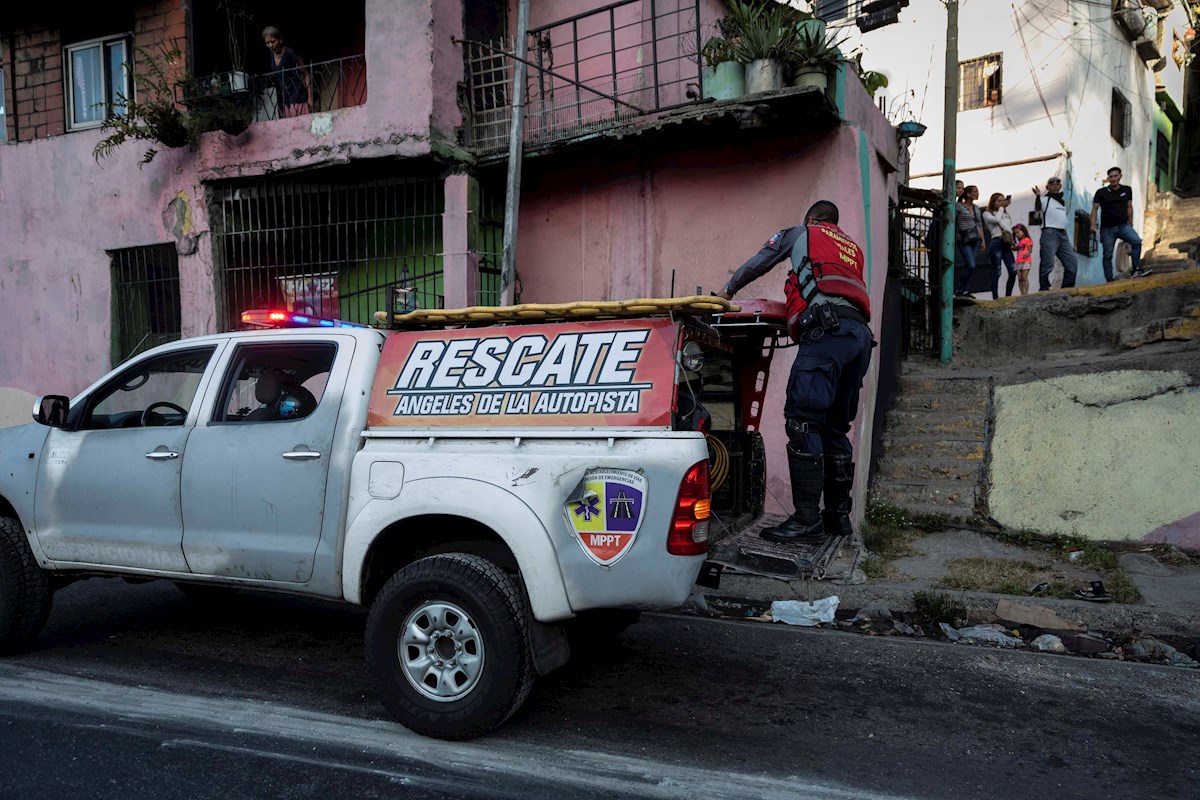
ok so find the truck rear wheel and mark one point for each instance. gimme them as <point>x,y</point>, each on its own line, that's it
<point>447,642</point>
<point>25,593</point>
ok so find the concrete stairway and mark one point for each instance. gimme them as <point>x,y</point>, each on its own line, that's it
<point>935,446</point>
<point>1180,244</point>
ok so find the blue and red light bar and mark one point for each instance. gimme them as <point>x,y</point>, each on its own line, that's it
<point>273,318</point>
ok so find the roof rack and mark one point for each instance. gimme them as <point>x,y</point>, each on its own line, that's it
<point>579,311</point>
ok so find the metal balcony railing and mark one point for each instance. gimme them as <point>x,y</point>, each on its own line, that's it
<point>337,83</point>
<point>587,72</point>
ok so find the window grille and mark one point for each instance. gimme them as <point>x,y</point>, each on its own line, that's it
<point>329,245</point>
<point>3,117</point>
<point>99,81</point>
<point>980,82</point>
<point>837,10</point>
<point>145,299</point>
<point>1122,119</point>
<point>490,244</point>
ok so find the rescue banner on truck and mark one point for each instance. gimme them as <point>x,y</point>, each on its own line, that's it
<point>619,373</point>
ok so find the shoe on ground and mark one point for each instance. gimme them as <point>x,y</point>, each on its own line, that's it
<point>1141,273</point>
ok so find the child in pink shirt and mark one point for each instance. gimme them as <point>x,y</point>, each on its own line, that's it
<point>1024,252</point>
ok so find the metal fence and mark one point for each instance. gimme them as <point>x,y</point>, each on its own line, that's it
<point>326,243</point>
<point>145,299</point>
<point>916,255</point>
<point>587,72</point>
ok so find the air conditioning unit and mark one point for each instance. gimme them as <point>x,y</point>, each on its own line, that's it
<point>1131,21</point>
<point>1147,50</point>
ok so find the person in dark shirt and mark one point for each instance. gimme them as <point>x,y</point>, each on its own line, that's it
<point>1114,203</point>
<point>829,312</point>
<point>292,81</point>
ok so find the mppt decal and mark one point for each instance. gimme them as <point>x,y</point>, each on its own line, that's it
<point>608,512</point>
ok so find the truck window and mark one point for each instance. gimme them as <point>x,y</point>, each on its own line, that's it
<point>275,382</point>
<point>158,391</point>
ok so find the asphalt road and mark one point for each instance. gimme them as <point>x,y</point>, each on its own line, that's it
<point>135,691</point>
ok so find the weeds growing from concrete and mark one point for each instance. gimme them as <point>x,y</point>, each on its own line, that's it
<point>888,533</point>
<point>935,607</point>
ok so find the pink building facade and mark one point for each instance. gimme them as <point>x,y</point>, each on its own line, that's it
<point>100,259</point>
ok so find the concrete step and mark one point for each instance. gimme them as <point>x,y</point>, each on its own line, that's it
<point>916,469</point>
<point>941,425</point>
<point>950,498</point>
<point>902,445</point>
<point>918,384</point>
<point>960,403</point>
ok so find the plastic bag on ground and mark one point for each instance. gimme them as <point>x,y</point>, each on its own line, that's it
<point>802,612</point>
<point>982,633</point>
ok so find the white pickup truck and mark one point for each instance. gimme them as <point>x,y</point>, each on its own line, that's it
<point>476,487</point>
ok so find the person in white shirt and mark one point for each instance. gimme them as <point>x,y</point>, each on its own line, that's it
<point>999,224</point>
<point>1055,241</point>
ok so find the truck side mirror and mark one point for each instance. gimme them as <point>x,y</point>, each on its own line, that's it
<point>52,410</point>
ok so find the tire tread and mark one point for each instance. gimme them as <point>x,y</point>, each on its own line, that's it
<point>25,592</point>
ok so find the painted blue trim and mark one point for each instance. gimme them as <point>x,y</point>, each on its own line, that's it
<point>864,169</point>
<point>839,89</point>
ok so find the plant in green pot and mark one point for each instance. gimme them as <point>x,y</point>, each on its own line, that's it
<point>723,77</point>
<point>814,55</point>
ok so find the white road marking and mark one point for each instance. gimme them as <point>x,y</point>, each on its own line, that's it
<point>493,758</point>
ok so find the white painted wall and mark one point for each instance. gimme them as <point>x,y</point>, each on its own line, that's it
<point>1061,61</point>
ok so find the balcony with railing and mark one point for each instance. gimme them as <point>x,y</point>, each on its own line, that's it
<point>589,72</point>
<point>313,88</point>
<point>629,68</point>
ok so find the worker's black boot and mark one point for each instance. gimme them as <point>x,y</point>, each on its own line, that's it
<point>839,485</point>
<point>804,526</point>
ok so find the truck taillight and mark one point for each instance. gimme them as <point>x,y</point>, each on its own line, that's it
<point>689,526</point>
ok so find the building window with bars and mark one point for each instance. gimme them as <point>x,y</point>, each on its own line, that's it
<point>99,80</point>
<point>1122,119</point>
<point>145,299</point>
<point>333,243</point>
<point>836,10</point>
<point>979,82</point>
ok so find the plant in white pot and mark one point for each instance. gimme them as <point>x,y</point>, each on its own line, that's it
<point>765,36</point>
<point>723,77</point>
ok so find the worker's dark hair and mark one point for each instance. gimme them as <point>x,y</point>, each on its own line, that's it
<point>823,211</point>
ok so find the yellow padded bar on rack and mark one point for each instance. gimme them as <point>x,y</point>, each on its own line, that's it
<point>578,311</point>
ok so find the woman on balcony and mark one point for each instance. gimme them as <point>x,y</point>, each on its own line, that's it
<point>293,87</point>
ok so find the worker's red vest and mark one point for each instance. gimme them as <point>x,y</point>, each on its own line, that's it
<point>837,268</point>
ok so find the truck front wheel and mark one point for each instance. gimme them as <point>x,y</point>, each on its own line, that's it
<point>448,644</point>
<point>25,593</point>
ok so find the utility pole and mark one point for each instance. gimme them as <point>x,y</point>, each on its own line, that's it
<point>516,141</point>
<point>949,175</point>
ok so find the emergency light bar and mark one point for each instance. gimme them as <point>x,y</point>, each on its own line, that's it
<point>269,318</point>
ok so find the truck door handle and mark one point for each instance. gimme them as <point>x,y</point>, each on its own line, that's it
<point>162,455</point>
<point>301,455</point>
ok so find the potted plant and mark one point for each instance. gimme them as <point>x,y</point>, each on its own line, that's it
<point>723,77</point>
<point>156,118</point>
<point>236,15</point>
<point>765,36</point>
<point>813,56</point>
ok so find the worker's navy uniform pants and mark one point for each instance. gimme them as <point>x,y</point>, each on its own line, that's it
<point>824,384</point>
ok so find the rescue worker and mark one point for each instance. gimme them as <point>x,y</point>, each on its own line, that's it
<point>828,311</point>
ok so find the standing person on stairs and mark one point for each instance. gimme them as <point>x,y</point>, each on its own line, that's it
<point>828,314</point>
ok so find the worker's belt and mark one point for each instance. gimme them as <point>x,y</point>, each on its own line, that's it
<point>827,315</point>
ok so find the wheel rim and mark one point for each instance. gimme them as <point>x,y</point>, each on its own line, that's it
<point>441,651</point>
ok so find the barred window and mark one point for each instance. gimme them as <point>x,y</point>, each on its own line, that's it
<point>1122,119</point>
<point>979,82</point>
<point>835,10</point>
<point>145,299</point>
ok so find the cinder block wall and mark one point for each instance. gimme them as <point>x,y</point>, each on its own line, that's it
<point>35,87</point>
